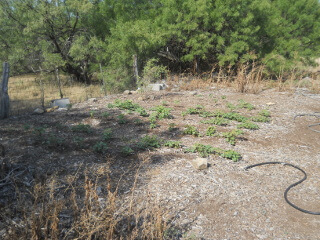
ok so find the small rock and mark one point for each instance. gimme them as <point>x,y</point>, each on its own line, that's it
<point>92,100</point>
<point>270,103</point>
<point>127,92</point>
<point>193,93</point>
<point>200,163</point>
<point>38,111</point>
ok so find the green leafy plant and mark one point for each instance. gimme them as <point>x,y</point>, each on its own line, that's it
<point>39,131</point>
<point>244,104</point>
<point>230,154</point>
<point>100,147</point>
<point>173,144</point>
<point>231,106</point>
<point>264,113</point>
<point>206,150</point>
<point>92,113</point>
<point>149,142</point>
<point>216,121</point>
<point>78,141</point>
<point>85,128</point>
<point>142,112</point>
<point>260,118</point>
<point>107,134</point>
<point>105,115</point>
<point>110,105</point>
<point>234,116</point>
<point>126,150</point>
<point>211,131</point>
<point>232,136</point>
<point>223,97</point>
<point>121,119</point>
<point>248,125</point>
<point>54,141</point>
<point>191,130</point>
<point>161,112</point>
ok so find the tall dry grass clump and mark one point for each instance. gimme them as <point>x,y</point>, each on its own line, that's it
<point>249,78</point>
<point>53,210</point>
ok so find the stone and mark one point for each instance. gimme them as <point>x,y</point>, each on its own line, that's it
<point>92,100</point>
<point>270,103</point>
<point>61,103</point>
<point>127,92</point>
<point>38,111</point>
<point>193,93</point>
<point>200,163</point>
<point>156,86</point>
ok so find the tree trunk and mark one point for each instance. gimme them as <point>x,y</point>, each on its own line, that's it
<point>4,97</point>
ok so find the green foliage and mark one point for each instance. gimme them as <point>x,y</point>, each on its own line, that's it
<point>54,141</point>
<point>127,105</point>
<point>130,106</point>
<point>100,147</point>
<point>173,144</point>
<point>84,128</point>
<point>152,72</point>
<point>105,115</point>
<point>192,130</point>
<point>231,106</point>
<point>234,116</point>
<point>107,134</point>
<point>149,142</point>
<point>211,131</point>
<point>206,150</point>
<point>260,118</point>
<point>161,112</point>
<point>121,119</point>
<point>248,125</point>
<point>223,97</point>
<point>216,121</point>
<point>230,154</point>
<point>264,113</point>
<point>244,104</point>
<point>126,151</point>
<point>78,141</point>
<point>231,136</point>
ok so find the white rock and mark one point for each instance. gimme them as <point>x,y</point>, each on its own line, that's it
<point>38,111</point>
<point>270,103</point>
<point>200,163</point>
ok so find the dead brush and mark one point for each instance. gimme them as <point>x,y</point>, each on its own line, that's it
<point>249,78</point>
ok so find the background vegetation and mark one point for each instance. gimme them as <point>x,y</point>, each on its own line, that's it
<point>96,39</point>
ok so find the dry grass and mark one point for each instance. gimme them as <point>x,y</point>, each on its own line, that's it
<point>26,93</point>
<point>81,212</point>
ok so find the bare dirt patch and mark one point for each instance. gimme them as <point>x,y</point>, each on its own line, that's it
<point>221,202</point>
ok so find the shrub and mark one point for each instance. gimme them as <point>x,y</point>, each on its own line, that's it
<point>206,150</point>
<point>173,144</point>
<point>211,131</point>
<point>107,134</point>
<point>122,119</point>
<point>248,125</point>
<point>216,121</point>
<point>191,130</point>
<point>100,147</point>
<point>232,136</point>
<point>244,104</point>
<point>149,142</point>
<point>152,72</point>
<point>85,128</point>
<point>126,150</point>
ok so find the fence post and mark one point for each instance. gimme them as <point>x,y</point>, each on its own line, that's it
<point>4,97</point>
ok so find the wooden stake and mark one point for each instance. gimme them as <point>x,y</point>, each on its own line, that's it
<point>4,97</point>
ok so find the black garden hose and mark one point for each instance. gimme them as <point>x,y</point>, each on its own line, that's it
<point>291,186</point>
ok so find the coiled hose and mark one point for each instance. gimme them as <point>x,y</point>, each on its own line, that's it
<point>291,186</point>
